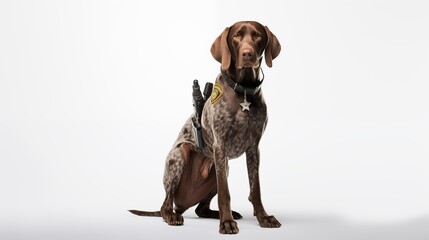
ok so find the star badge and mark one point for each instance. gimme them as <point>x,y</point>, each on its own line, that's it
<point>245,105</point>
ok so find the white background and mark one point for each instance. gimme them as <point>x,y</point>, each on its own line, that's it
<point>93,94</point>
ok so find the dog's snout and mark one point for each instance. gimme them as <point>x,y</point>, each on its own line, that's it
<point>247,54</point>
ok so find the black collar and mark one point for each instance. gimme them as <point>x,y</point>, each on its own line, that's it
<point>240,88</point>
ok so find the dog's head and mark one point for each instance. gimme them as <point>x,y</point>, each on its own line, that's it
<point>241,46</point>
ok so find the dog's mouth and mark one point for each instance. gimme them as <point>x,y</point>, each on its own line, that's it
<point>248,65</point>
<point>253,62</point>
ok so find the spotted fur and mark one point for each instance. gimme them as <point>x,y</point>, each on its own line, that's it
<point>193,175</point>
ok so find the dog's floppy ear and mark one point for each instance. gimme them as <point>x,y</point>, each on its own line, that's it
<point>220,50</point>
<point>273,47</point>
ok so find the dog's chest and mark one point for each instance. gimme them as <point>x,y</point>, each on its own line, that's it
<point>233,129</point>
<point>244,132</point>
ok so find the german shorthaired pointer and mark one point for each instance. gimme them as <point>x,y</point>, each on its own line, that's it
<point>233,121</point>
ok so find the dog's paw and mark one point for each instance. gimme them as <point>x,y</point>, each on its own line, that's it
<point>228,227</point>
<point>173,219</point>
<point>268,222</point>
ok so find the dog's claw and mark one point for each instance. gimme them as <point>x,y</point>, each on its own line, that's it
<point>268,222</point>
<point>174,219</point>
<point>228,227</point>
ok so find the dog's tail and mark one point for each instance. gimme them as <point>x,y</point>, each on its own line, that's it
<point>145,213</point>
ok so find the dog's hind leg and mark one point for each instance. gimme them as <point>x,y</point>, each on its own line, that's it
<point>203,210</point>
<point>173,170</point>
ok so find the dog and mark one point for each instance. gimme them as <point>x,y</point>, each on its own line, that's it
<point>233,121</point>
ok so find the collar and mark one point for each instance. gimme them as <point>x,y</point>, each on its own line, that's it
<point>240,88</point>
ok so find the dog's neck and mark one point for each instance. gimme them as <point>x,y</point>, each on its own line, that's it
<point>248,77</point>
<point>247,83</point>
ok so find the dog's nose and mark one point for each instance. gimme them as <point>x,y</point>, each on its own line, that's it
<point>247,54</point>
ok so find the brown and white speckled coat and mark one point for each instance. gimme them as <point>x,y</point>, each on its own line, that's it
<point>193,175</point>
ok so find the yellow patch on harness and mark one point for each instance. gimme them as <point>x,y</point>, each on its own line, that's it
<point>216,93</point>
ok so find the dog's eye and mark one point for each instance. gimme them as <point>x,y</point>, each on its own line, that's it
<point>258,36</point>
<point>236,36</point>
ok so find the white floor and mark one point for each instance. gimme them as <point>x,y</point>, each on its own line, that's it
<point>295,226</point>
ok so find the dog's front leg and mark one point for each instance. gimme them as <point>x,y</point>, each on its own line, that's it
<point>252,158</point>
<point>227,223</point>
